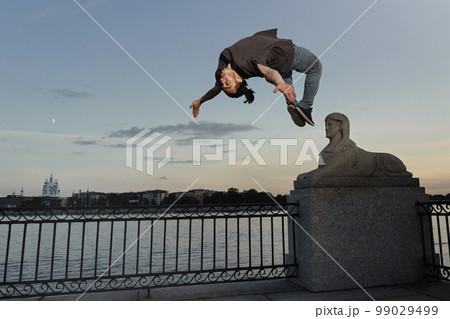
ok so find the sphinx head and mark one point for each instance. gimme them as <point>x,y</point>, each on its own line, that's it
<point>342,125</point>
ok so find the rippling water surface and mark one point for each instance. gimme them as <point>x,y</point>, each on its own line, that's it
<point>103,244</point>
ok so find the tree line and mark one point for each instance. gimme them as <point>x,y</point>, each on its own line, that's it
<point>231,196</point>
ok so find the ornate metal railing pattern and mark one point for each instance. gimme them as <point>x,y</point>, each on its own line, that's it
<point>72,250</point>
<point>436,237</point>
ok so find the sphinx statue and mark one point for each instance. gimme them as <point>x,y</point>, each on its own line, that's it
<point>342,158</point>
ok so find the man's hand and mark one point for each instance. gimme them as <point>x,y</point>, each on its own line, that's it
<point>195,106</point>
<point>287,90</point>
<point>274,77</point>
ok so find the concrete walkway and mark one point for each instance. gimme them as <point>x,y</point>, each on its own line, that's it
<point>279,290</point>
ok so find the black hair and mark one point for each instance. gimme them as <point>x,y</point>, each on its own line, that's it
<point>243,90</point>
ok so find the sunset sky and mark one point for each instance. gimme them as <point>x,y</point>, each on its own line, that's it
<point>71,97</point>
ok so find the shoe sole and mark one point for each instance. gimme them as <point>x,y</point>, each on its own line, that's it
<point>305,118</point>
<point>295,117</point>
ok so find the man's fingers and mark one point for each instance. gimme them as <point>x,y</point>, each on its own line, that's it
<point>291,97</point>
<point>288,92</point>
<point>195,112</point>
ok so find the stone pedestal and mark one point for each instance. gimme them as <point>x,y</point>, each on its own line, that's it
<point>368,225</point>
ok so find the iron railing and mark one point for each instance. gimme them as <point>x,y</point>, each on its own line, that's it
<point>74,250</point>
<point>436,237</point>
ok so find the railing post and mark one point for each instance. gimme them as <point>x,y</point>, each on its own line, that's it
<point>427,235</point>
<point>292,231</point>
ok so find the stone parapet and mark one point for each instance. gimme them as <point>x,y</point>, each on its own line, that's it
<point>362,182</point>
<point>369,228</point>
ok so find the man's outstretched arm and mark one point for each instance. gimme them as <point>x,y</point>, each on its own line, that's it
<point>274,77</point>
<point>195,106</point>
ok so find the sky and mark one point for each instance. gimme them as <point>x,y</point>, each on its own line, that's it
<point>71,95</point>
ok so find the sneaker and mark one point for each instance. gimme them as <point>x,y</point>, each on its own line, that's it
<point>306,114</point>
<point>295,115</point>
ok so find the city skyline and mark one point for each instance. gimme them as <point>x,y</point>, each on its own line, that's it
<point>22,191</point>
<point>71,97</point>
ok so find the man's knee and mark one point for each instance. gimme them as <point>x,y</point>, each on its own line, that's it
<point>318,66</point>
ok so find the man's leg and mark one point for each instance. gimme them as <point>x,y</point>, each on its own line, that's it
<point>292,109</point>
<point>306,62</point>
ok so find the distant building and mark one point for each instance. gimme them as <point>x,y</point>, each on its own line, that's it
<point>14,201</point>
<point>88,198</point>
<point>184,194</point>
<point>11,201</point>
<point>50,188</point>
<point>154,196</point>
<point>200,194</point>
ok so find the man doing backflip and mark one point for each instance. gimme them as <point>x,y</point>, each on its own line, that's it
<point>264,55</point>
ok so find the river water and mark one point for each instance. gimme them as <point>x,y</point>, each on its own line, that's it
<point>163,246</point>
<point>155,251</point>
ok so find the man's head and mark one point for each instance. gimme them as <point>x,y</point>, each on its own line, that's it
<point>230,80</point>
<point>234,85</point>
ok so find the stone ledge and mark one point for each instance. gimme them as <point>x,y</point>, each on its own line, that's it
<point>356,182</point>
<point>374,233</point>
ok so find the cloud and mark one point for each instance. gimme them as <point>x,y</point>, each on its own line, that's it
<point>85,142</point>
<point>116,145</point>
<point>71,94</point>
<point>94,3</point>
<point>126,133</point>
<point>204,130</point>
<point>185,141</point>
<point>44,13</point>
<point>59,10</point>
